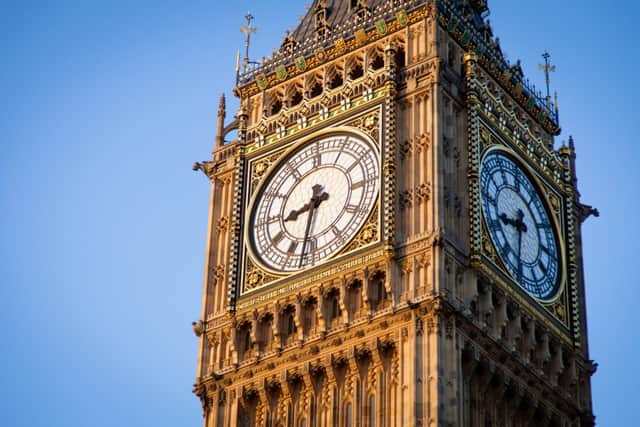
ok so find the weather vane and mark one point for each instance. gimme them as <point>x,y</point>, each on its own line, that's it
<point>547,68</point>
<point>247,30</point>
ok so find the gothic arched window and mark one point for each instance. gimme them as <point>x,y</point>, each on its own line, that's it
<point>372,411</point>
<point>348,415</point>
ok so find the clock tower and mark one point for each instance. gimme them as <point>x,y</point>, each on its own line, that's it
<point>394,235</point>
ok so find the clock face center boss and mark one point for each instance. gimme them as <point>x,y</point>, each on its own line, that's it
<point>314,201</point>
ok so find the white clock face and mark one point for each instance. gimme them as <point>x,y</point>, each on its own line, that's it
<point>519,225</point>
<point>314,202</point>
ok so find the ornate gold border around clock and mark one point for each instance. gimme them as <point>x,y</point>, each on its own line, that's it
<point>547,194</point>
<point>285,153</point>
<point>254,272</point>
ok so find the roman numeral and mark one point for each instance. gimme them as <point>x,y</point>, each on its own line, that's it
<point>339,154</point>
<point>543,267</point>
<point>494,182</point>
<point>492,201</point>
<point>494,224</point>
<point>312,245</point>
<point>357,185</point>
<point>543,225</point>
<point>356,163</point>
<point>353,209</point>
<point>273,194</point>
<point>292,247</point>
<point>262,222</point>
<point>506,249</point>
<point>278,238</point>
<point>503,175</point>
<point>293,171</point>
<point>316,156</point>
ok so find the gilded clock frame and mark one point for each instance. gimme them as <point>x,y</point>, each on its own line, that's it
<point>491,137</point>
<point>543,191</point>
<point>254,276</point>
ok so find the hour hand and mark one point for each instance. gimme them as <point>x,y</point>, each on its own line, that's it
<point>516,223</point>
<point>506,219</point>
<point>293,215</point>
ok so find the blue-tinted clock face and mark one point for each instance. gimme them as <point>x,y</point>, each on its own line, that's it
<point>519,225</point>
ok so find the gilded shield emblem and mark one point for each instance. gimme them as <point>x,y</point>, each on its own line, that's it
<point>301,63</point>
<point>381,27</point>
<point>281,72</point>
<point>261,80</point>
<point>402,17</point>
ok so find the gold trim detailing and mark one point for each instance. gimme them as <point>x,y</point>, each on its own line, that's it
<point>311,277</point>
<point>315,122</point>
<point>256,277</point>
<point>369,233</point>
<point>261,167</point>
<point>367,125</point>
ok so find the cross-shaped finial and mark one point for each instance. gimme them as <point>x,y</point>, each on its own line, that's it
<point>547,68</point>
<point>247,30</point>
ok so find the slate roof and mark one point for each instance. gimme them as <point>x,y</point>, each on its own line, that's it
<point>339,13</point>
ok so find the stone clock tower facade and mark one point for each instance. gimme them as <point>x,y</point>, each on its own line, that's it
<point>394,238</point>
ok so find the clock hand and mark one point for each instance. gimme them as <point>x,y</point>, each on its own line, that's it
<point>294,214</point>
<point>315,201</point>
<point>520,227</point>
<point>506,219</point>
<point>516,223</point>
<point>519,252</point>
<point>306,234</point>
<point>519,223</point>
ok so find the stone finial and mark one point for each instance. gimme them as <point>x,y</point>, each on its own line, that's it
<point>222,106</point>
<point>222,112</point>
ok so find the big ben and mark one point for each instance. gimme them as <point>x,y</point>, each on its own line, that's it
<point>394,235</point>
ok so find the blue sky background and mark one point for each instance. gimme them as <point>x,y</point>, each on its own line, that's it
<point>106,105</point>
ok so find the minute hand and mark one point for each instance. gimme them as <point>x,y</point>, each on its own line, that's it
<point>519,253</point>
<point>520,227</point>
<point>307,229</point>
<point>315,201</point>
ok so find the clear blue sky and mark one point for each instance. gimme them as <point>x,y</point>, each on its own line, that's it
<point>106,105</point>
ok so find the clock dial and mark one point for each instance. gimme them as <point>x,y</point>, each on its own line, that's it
<point>519,225</point>
<point>314,202</point>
